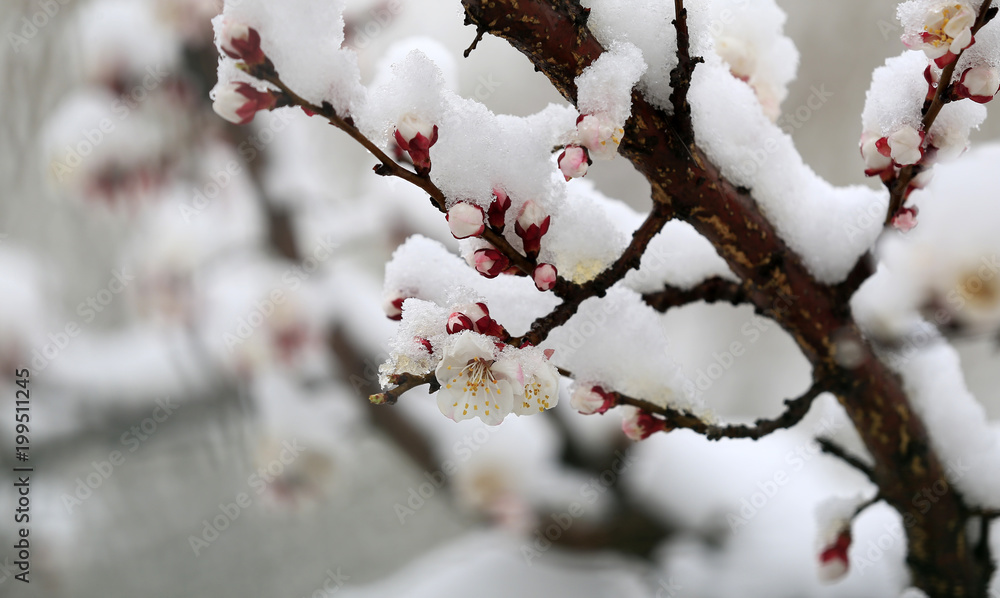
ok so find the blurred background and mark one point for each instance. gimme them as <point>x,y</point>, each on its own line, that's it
<point>200,306</point>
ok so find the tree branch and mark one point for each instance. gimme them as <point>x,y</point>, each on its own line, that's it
<point>795,410</point>
<point>553,35</point>
<point>711,290</point>
<point>680,76</point>
<point>832,448</point>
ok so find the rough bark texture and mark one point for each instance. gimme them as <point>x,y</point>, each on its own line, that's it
<point>554,36</point>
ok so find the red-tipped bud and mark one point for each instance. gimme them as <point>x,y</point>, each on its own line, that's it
<point>833,561</point>
<point>498,209</point>
<point>416,136</point>
<point>978,84</point>
<point>239,102</point>
<point>640,425</point>
<point>545,277</point>
<point>490,262</point>
<point>426,344</point>
<point>392,305</point>
<point>241,42</point>
<point>466,220</point>
<point>531,224</point>
<point>457,322</point>
<point>591,400</point>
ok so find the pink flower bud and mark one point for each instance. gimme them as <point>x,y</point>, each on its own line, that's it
<point>905,219</point>
<point>416,136</point>
<point>574,162</point>
<point>876,162</point>
<point>392,305</point>
<point>239,102</point>
<point>426,344</point>
<point>490,262</point>
<point>640,425</point>
<point>531,224</point>
<point>833,561</point>
<point>906,145</point>
<point>589,400</point>
<point>241,42</point>
<point>457,322</point>
<point>979,84</point>
<point>498,209</point>
<point>465,220</point>
<point>545,276</point>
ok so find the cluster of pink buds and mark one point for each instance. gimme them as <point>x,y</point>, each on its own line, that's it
<point>242,42</point>
<point>239,102</point>
<point>466,220</point>
<point>591,400</point>
<point>574,162</point>
<point>978,84</point>
<point>392,305</point>
<point>497,212</point>
<point>947,32</point>
<point>640,425</point>
<point>490,262</point>
<point>531,225</point>
<point>477,319</point>
<point>833,561</point>
<point>415,136</point>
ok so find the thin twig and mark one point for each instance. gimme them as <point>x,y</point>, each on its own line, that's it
<point>403,383</point>
<point>680,76</point>
<point>795,410</point>
<point>830,447</point>
<point>711,290</point>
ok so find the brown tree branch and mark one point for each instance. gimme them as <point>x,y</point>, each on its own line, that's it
<point>711,290</point>
<point>553,35</point>
<point>680,76</point>
<point>795,410</point>
<point>899,186</point>
<point>832,448</point>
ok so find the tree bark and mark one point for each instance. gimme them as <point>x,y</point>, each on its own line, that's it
<point>554,36</point>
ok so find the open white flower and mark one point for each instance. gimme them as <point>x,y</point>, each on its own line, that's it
<point>541,391</point>
<point>474,383</point>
